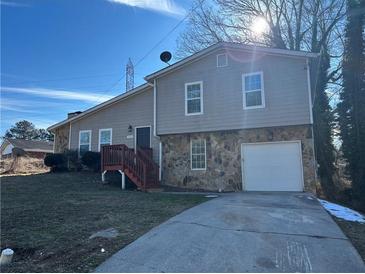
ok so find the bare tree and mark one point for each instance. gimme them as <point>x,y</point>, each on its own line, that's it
<point>293,24</point>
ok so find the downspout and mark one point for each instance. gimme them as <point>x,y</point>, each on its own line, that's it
<point>154,128</point>
<point>311,116</point>
<point>309,92</point>
<point>54,142</point>
<point>69,138</point>
<point>154,107</point>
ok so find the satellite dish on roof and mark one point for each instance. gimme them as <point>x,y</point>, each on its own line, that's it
<point>166,57</point>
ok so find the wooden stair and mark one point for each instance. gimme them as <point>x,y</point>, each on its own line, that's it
<point>137,165</point>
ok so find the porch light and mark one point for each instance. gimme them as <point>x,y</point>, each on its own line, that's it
<point>130,129</point>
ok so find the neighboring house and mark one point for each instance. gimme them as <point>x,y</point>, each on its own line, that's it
<point>230,117</point>
<point>36,149</point>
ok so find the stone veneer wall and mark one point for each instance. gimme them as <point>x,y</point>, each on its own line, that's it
<point>223,169</point>
<point>61,138</point>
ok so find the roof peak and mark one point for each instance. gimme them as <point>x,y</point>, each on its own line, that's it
<point>231,45</point>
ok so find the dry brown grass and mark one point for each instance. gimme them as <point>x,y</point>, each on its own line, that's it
<point>22,165</point>
<point>355,232</point>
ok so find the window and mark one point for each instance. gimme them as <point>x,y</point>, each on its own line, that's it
<point>105,137</point>
<point>222,60</point>
<point>253,90</point>
<point>194,98</point>
<point>198,154</point>
<point>84,141</point>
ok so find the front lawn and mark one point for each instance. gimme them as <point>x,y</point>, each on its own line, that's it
<point>47,219</point>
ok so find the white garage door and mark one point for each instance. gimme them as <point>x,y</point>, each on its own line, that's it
<point>272,166</point>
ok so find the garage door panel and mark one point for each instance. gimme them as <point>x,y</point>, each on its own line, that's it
<point>272,167</point>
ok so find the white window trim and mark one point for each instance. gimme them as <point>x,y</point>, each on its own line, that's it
<point>201,98</point>
<point>84,131</point>
<point>261,73</point>
<point>111,136</point>
<point>226,63</point>
<point>191,154</point>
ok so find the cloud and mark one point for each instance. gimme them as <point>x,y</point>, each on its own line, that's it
<point>33,103</point>
<point>13,4</point>
<point>30,106</point>
<point>59,94</point>
<point>167,7</point>
<point>17,109</point>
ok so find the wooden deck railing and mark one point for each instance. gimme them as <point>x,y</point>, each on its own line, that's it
<point>152,167</point>
<point>112,156</point>
<point>139,167</point>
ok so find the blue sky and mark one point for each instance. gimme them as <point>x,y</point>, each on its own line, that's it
<point>59,56</point>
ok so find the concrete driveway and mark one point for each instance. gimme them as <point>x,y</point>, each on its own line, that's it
<point>243,232</point>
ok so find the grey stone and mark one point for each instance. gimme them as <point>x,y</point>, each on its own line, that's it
<point>223,169</point>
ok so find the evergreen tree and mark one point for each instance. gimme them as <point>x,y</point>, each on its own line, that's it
<point>43,134</point>
<point>323,120</point>
<point>22,130</point>
<point>26,130</point>
<point>351,109</point>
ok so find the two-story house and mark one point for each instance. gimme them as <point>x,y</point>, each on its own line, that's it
<point>230,117</point>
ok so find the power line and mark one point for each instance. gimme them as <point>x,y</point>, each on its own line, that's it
<point>158,43</point>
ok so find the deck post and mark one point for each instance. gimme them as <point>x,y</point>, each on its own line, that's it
<point>123,179</point>
<point>103,175</point>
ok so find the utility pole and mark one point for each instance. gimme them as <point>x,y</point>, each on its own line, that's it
<point>129,77</point>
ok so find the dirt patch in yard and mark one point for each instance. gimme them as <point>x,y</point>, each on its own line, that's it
<point>355,232</point>
<point>47,219</point>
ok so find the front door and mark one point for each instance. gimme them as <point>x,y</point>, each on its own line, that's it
<point>143,137</point>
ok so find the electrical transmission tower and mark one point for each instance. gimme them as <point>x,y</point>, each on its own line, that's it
<point>129,75</point>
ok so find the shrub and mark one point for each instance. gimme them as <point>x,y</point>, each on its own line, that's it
<point>56,161</point>
<point>91,160</point>
<point>73,160</point>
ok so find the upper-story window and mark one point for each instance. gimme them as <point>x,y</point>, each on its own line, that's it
<point>222,60</point>
<point>105,137</point>
<point>84,141</point>
<point>198,154</point>
<point>194,98</point>
<point>253,90</point>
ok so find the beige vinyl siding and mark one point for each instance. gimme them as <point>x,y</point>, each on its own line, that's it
<point>136,111</point>
<point>285,88</point>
